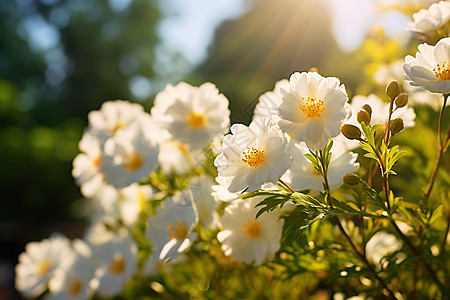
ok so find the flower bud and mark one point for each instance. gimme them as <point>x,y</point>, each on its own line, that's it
<point>401,100</point>
<point>351,179</point>
<point>351,132</point>
<point>363,116</point>
<point>396,125</point>
<point>393,89</point>
<point>367,108</point>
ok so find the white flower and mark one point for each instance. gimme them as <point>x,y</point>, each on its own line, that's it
<point>420,96</point>
<point>114,116</point>
<point>313,108</point>
<point>131,202</point>
<point>433,18</point>
<point>380,245</point>
<point>38,264</point>
<point>100,233</point>
<point>130,155</point>
<point>192,115</point>
<point>176,157</point>
<point>302,175</point>
<point>200,188</point>
<point>220,191</point>
<point>86,166</point>
<point>117,262</point>
<point>73,280</point>
<point>247,239</point>
<point>430,68</point>
<point>170,230</point>
<point>380,111</point>
<point>388,72</point>
<point>269,102</point>
<point>114,206</point>
<point>252,156</point>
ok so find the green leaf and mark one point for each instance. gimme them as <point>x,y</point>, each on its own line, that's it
<point>392,156</point>
<point>307,201</point>
<point>437,214</point>
<point>370,152</point>
<point>271,203</point>
<point>314,159</point>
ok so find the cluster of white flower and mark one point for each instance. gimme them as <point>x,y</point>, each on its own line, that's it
<point>125,148</point>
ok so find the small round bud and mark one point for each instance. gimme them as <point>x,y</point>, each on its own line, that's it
<point>393,89</point>
<point>401,100</point>
<point>351,179</point>
<point>351,132</point>
<point>396,125</point>
<point>314,69</point>
<point>367,108</point>
<point>363,116</point>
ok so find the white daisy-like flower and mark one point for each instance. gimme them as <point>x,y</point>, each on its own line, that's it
<point>176,157</point>
<point>200,188</point>
<point>86,165</point>
<point>220,191</point>
<point>380,245</point>
<point>269,102</point>
<point>170,230</point>
<point>385,73</point>
<point>313,108</point>
<point>73,280</point>
<point>130,155</point>
<point>433,18</point>
<point>131,202</point>
<point>302,175</point>
<point>38,263</point>
<point>114,116</point>
<point>420,96</point>
<point>380,111</point>
<point>430,68</point>
<point>192,115</point>
<point>247,239</point>
<point>114,206</point>
<point>100,232</point>
<point>252,156</point>
<point>117,262</point>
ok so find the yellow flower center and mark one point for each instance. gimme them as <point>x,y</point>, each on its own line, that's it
<point>178,231</point>
<point>253,157</point>
<point>117,126</point>
<point>442,72</point>
<point>251,229</point>
<point>133,161</point>
<point>196,120</point>
<point>74,287</point>
<point>312,107</point>
<point>117,265</point>
<point>44,267</point>
<point>97,161</point>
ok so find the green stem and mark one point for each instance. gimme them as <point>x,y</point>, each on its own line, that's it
<point>441,149</point>
<point>407,241</point>
<point>355,247</point>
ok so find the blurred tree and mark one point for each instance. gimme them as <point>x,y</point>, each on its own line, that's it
<point>60,59</point>
<point>269,43</point>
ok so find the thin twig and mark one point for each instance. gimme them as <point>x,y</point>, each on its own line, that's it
<point>355,247</point>
<point>441,148</point>
<point>286,185</point>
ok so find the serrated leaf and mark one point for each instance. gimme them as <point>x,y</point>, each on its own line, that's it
<point>271,203</point>
<point>307,201</point>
